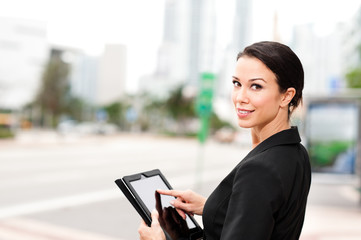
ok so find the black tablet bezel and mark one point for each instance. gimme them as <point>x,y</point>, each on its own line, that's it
<point>142,209</point>
<point>132,199</point>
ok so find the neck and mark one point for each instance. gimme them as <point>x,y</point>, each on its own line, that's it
<point>261,133</point>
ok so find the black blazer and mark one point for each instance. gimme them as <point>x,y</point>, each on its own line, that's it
<point>265,195</point>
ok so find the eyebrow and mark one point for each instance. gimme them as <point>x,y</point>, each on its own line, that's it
<point>255,79</point>
<point>252,79</point>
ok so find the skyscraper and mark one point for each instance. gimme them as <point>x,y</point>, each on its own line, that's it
<point>240,39</point>
<point>112,74</point>
<point>173,52</point>
<point>23,53</point>
<point>188,44</point>
<point>202,32</point>
<point>242,24</point>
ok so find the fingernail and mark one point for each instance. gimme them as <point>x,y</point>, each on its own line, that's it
<point>172,202</point>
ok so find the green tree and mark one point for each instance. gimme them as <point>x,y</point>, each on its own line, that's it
<point>77,109</point>
<point>5,124</point>
<point>179,107</point>
<point>353,77</point>
<point>54,92</point>
<point>116,113</point>
<point>216,123</point>
<point>153,115</point>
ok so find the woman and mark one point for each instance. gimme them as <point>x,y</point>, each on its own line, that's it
<point>265,195</point>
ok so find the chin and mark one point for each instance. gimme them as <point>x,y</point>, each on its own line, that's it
<point>244,124</point>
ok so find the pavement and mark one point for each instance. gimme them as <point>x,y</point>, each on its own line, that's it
<point>333,210</point>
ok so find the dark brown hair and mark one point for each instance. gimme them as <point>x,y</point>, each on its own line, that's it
<point>283,62</point>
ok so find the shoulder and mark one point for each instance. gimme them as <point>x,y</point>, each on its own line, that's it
<point>258,168</point>
<point>286,155</point>
<point>276,165</point>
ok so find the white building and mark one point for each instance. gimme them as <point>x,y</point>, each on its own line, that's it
<point>187,48</point>
<point>83,75</point>
<point>352,49</point>
<point>241,37</point>
<point>173,52</point>
<point>23,53</point>
<point>323,57</point>
<point>97,80</point>
<point>110,86</point>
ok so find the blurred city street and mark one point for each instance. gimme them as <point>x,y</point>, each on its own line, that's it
<point>61,187</point>
<point>81,98</point>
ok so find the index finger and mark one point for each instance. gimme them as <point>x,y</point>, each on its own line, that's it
<point>173,193</point>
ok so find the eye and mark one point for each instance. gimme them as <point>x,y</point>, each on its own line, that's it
<point>236,83</point>
<point>256,86</point>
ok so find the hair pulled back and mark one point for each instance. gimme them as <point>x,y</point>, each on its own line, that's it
<point>283,62</point>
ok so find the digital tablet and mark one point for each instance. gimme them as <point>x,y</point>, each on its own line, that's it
<point>140,190</point>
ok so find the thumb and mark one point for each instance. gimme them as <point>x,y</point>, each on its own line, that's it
<point>155,216</point>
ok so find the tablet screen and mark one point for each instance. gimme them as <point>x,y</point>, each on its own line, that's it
<point>146,189</point>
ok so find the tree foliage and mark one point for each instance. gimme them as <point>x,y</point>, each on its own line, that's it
<point>116,113</point>
<point>54,92</point>
<point>178,106</point>
<point>77,109</point>
<point>353,77</point>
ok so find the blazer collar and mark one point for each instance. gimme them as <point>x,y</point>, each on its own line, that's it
<point>285,137</point>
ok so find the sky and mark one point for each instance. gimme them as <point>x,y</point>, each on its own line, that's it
<point>89,24</point>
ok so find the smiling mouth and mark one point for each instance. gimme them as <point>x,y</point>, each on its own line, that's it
<point>245,111</point>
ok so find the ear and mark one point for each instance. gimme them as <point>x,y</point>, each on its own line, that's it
<point>287,96</point>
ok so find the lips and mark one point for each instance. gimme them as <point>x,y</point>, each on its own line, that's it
<point>244,112</point>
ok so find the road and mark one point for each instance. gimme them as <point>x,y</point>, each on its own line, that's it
<point>62,187</point>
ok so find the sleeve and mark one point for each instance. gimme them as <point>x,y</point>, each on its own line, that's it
<point>256,197</point>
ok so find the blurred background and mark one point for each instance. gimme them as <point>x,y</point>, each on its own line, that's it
<point>91,91</point>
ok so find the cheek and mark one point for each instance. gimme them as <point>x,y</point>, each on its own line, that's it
<point>234,96</point>
<point>259,100</point>
<point>266,101</point>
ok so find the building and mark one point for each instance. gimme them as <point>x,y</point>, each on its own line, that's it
<point>83,75</point>
<point>241,37</point>
<point>187,48</point>
<point>110,85</point>
<point>328,56</point>
<point>352,42</point>
<point>173,52</point>
<point>96,80</point>
<point>23,53</point>
<point>324,58</point>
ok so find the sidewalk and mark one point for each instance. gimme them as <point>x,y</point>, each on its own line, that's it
<point>334,210</point>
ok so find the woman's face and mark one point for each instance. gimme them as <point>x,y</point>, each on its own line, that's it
<point>256,94</point>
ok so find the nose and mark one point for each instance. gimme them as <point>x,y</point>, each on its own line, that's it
<point>242,95</point>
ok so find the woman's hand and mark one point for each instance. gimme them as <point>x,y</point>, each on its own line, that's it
<point>154,232</point>
<point>186,201</point>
